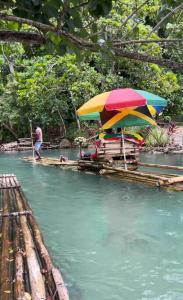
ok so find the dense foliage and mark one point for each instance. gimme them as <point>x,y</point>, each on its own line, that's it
<point>98,46</point>
<point>138,30</point>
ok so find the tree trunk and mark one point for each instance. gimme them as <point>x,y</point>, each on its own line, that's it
<point>10,129</point>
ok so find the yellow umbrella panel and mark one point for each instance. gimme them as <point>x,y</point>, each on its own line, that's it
<point>95,104</point>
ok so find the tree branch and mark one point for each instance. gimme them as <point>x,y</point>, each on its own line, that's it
<point>167,16</point>
<point>23,37</point>
<point>160,41</point>
<point>134,12</point>
<point>38,25</point>
<point>151,59</point>
<point>81,43</point>
<point>46,28</point>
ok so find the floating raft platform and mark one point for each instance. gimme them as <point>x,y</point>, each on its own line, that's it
<point>26,269</point>
<point>133,174</point>
<point>51,161</point>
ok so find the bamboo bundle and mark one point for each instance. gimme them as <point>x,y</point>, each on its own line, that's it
<point>36,279</point>
<point>171,180</point>
<point>27,271</point>
<point>53,275</point>
<point>160,166</point>
<point>141,174</point>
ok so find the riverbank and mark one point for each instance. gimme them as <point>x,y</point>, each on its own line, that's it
<point>24,144</point>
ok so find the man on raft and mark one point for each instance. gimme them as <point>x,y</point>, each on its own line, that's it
<point>38,141</point>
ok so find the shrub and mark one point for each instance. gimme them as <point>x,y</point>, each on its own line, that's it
<point>157,137</point>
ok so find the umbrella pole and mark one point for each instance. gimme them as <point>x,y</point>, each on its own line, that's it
<point>124,152</point>
<point>80,150</point>
<point>30,121</point>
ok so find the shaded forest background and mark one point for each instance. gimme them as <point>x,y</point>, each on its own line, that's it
<point>56,55</point>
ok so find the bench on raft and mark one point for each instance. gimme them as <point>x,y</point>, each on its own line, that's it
<point>113,151</point>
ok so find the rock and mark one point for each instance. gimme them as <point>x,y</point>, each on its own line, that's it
<point>65,143</point>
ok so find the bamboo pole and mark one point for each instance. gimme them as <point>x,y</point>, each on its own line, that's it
<point>60,286</point>
<point>30,121</point>
<point>18,268</point>
<point>160,166</point>
<point>5,276</point>
<point>124,150</point>
<point>36,279</point>
<point>141,174</point>
<point>19,286</point>
<point>171,180</point>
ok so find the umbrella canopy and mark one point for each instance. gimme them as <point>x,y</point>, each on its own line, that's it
<point>121,98</point>
<point>116,99</point>
<point>127,117</point>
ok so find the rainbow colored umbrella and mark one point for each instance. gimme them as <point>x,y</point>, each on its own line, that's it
<point>121,98</point>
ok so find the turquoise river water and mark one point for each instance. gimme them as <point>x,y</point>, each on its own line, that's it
<point>113,240</point>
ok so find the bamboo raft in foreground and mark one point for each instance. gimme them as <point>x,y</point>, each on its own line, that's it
<point>26,269</point>
<point>158,179</point>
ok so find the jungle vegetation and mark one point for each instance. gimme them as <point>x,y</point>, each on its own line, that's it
<point>56,54</point>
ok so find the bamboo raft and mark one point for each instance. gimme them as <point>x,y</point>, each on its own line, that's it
<point>157,179</point>
<point>26,269</point>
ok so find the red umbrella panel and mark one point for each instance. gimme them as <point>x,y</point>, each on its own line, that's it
<point>121,98</point>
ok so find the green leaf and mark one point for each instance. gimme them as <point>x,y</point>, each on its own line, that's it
<point>99,8</point>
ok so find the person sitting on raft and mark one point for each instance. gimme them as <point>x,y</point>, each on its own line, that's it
<point>63,158</point>
<point>89,155</point>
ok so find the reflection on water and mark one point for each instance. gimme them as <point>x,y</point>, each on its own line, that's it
<point>112,240</point>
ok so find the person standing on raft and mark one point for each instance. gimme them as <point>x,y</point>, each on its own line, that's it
<point>38,141</point>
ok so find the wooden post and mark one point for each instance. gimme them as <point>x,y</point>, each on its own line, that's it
<point>124,152</point>
<point>30,121</point>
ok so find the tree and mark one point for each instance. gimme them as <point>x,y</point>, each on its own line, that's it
<point>73,24</point>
